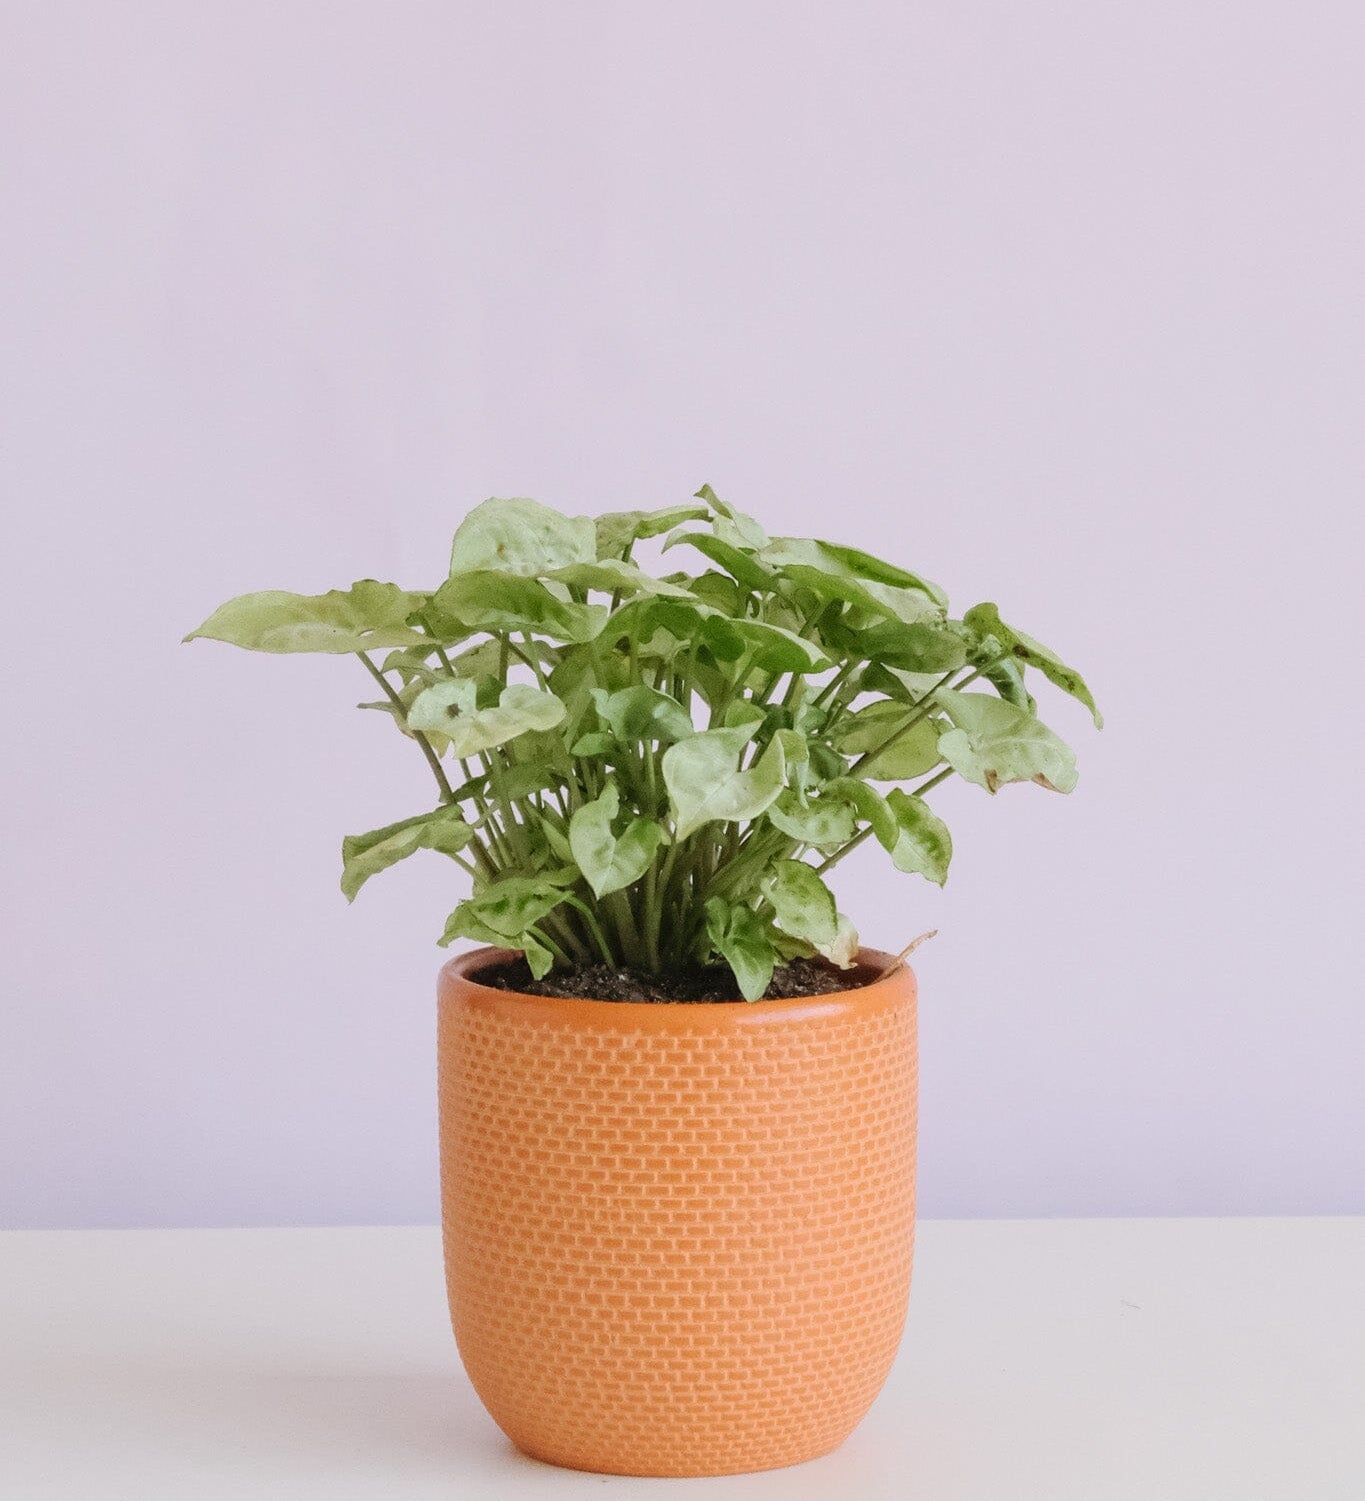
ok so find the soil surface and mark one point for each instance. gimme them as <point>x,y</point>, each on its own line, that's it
<point>603,982</point>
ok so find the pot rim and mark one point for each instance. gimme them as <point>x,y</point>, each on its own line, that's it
<point>455,976</point>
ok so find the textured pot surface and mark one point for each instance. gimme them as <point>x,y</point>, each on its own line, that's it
<point>678,1237</point>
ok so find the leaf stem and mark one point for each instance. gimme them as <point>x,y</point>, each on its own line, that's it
<point>433,760</point>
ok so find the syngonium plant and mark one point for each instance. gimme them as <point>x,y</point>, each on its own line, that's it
<point>660,772</point>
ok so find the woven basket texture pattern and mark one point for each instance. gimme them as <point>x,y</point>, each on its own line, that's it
<point>677,1244</point>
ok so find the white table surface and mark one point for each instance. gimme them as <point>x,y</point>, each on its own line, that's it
<point>1099,1359</point>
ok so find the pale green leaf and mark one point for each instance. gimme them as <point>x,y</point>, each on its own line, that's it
<point>448,707</point>
<point>641,713</point>
<point>464,922</point>
<point>617,531</point>
<point>489,601</point>
<point>824,822</point>
<point>740,936</point>
<point>367,616</point>
<point>610,863</point>
<point>511,904</point>
<point>521,536</point>
<point>864,566</point>
<point>843,948</point>
<point>705,784</point>
<point>994,742</point>
<point>909,606</point>
<point>775,649</point>
<point>740,565</point>
<point>899,749</point>
<point>733,526</point>
<point>870,806</point>
<point>365,855</point>
<point>611,576</point>
<point>595,743</point>
<point>802,903</point>
<point>985,618</point>
<point>923,843</point>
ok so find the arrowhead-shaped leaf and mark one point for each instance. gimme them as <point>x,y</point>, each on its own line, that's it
<point>464,922</point>
<point>619,530</point>
<point>705,784</point>
<point>803,904</point>
<point>642,713</point>
<point>608,863</point>
<point>488,601</point>
<point>923,843</point>
<point>986,620</point>
<point>822,822</point>
<point>448,707</point>
<point>521,536</point>
<point>365,855</point>
<point>611,576</point>
<point>898,752</point>
<point>740,936</point>
<point>994,742</point>
<point>369,615</point>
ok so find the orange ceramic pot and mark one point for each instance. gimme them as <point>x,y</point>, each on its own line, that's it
<point>677,1236</point>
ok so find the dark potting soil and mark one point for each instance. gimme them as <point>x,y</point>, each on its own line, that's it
<point>605,982</point>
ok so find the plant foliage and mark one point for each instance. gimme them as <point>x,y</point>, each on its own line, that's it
<point>654,771</point>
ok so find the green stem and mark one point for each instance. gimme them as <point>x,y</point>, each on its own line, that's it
<point>542,936</point>
<point>433,760</point>
<point>932,782</point>
<point>594,927</point>
<point>531,657</point>
<point>846,849</point>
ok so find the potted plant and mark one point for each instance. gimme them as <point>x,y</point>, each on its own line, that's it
<point>677,1098</point>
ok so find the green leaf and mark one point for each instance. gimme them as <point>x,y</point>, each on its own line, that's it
<point>733,526</point>
<point>411,663</point>
<point>642,713</point>
<point>909,606</point>
<point>740,936</point>
<point>509,905</point>
<point>923,843</point>
<point>985,618</point>
<point>521,536</point>
<point>595,743</point>
<point>864,566</point>
<point>898,683</point>
<point>843,949</point>
<point>486,659</point>
<point>1004,674</point>
<point>608,863</point>
<point>489,601</point>
<point>367,616</point>
<point>741,566</point>
<point>926,647</point>
<point>721,592</point>
<point>994,742</point>
<point>641,619</point>
<point>898,752</point>
<point>464,922</point>
<point>365,855</point>
<point>803,904</point>
<point>870,806</point>
<point>619,530</point>
<point>775,649</point>
<point>448,707</point>
<point>611,576</point>
<point>824,822</point>
<point>705,784</point>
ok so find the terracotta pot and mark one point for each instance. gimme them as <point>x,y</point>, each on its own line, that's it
<point>677,1237</point>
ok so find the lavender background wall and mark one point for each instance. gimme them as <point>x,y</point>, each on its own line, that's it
<point>1060,303</point>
